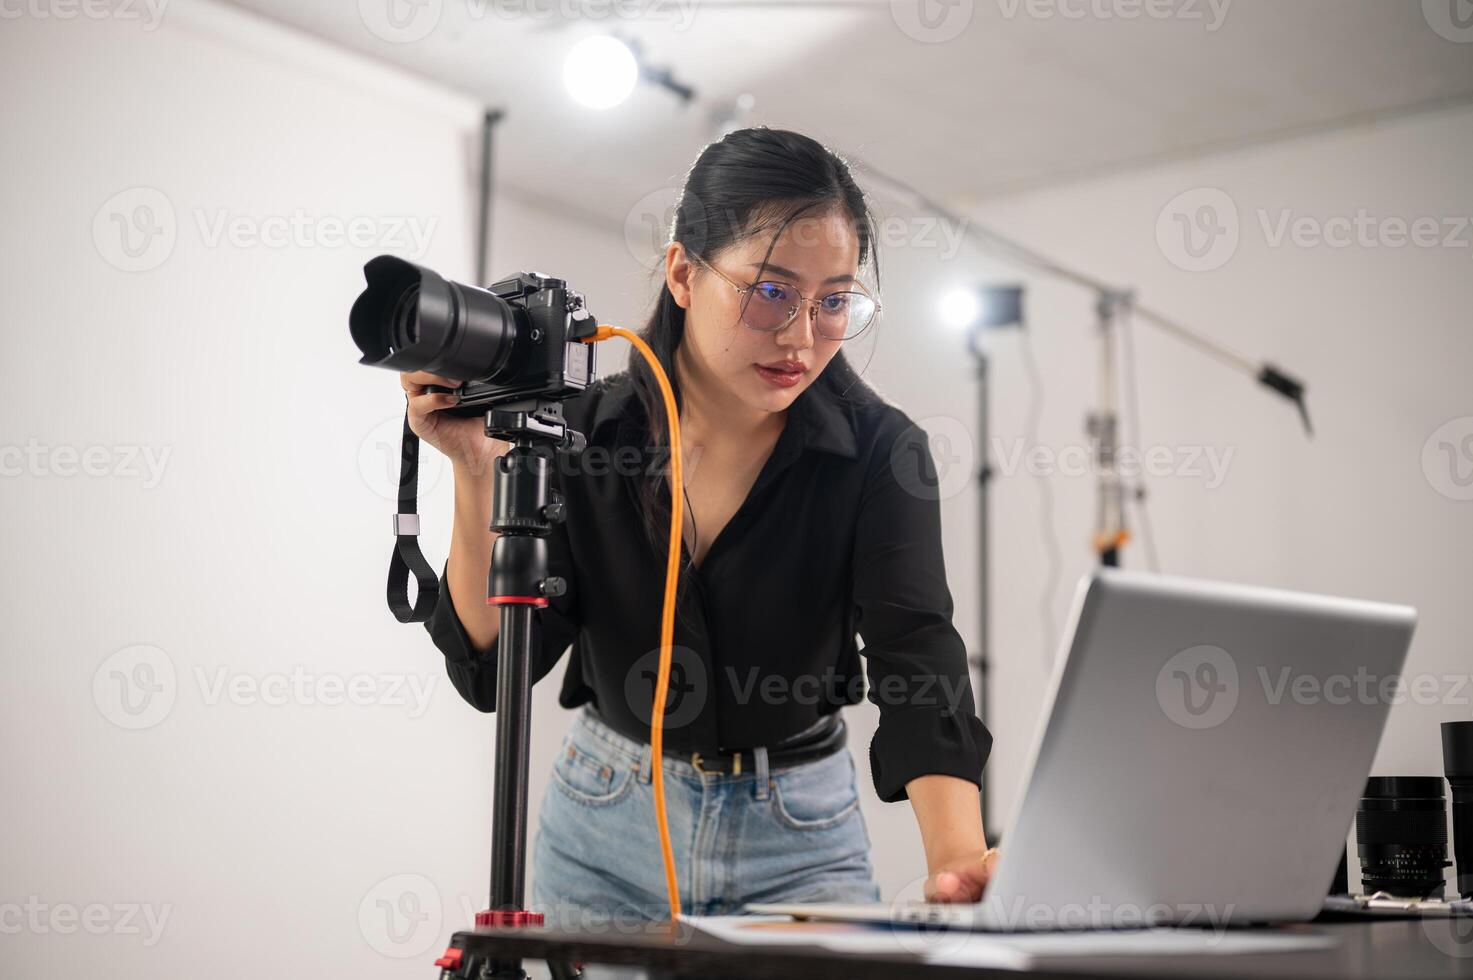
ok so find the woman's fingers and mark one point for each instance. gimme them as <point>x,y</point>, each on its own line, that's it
<point>414,382</point>
<point>421,405</point>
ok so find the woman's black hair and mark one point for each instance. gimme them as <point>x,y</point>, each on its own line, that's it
<point>749,181</point>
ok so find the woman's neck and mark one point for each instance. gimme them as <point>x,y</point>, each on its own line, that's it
<point>708,413</point>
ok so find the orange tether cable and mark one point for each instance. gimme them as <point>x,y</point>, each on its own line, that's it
<point>667,617</point>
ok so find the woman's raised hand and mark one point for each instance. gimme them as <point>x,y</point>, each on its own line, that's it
<point>463,440</point>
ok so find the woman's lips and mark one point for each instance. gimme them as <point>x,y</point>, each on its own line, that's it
<point>779,377</point>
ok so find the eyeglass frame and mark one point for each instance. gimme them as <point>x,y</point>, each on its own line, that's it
<point>797,307</point>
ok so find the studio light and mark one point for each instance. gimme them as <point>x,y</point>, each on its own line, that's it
<point>600,72</point>
<point>960,308</point>
<point>982,306</point>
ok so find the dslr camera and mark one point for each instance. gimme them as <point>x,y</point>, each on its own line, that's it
<point>516,340</point>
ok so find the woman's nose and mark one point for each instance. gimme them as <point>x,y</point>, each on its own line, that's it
<point>799,333</point>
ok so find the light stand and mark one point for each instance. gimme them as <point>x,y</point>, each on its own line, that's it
<point>1000,306</point>
<point>1111,305</point>
<point>1103,428</point>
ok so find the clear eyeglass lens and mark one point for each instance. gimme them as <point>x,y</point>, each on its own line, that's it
<point>772,305</point>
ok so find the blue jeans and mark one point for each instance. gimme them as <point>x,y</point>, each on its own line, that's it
<point>792,833</point>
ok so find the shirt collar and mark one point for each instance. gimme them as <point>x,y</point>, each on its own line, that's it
<point>823,423</point>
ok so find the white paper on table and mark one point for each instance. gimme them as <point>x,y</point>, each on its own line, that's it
<point>841,937</point>
<point>981,949</point>
<point>959,947</point>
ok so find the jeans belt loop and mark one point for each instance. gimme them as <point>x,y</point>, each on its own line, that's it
<point>760,752</point>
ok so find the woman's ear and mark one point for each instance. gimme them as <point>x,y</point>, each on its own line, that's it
<point>678,272</point>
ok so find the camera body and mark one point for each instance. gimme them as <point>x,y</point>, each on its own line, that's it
<point>520,339</point>
<point>552,362</point>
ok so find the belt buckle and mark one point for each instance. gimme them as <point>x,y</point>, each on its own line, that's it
<point>736,769</point>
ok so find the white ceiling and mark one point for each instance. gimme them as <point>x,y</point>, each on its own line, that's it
<point>1015,99</point>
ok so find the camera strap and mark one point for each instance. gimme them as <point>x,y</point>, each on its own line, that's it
<point>407,557</point>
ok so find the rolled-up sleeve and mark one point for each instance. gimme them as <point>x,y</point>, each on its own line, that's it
<point>915,660</point>
<point>473,672</point>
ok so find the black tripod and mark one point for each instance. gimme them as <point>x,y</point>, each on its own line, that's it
<point>525,508</point>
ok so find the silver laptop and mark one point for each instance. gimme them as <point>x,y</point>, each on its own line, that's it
<point>1202,751</point>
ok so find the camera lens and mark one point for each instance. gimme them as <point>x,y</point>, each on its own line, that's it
<point>1457,758</point>
<point>405,319</point>
<point>411,319</point>
<point>1401,836</point>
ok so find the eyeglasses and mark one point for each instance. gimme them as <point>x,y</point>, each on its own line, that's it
<point>769,306</point>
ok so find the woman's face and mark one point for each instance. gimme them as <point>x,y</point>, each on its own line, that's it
<point>817,255</point>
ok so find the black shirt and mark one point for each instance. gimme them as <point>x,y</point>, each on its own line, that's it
<point>840,533</point>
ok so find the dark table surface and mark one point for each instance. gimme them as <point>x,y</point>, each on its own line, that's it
<point>1400,949</point>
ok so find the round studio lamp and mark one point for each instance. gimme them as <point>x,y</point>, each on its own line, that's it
<point>600,72</point>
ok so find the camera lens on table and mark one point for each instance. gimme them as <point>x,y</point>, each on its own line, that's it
<point>1401,836</point>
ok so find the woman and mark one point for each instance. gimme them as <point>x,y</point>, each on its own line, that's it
<point>807,521</point>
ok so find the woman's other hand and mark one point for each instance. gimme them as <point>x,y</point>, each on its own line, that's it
<point>961,879</point>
